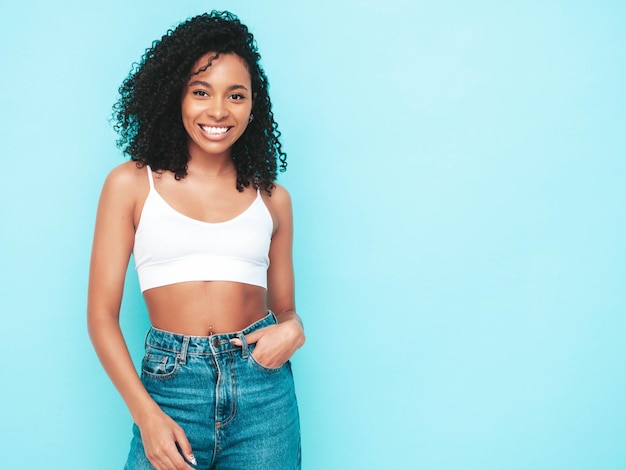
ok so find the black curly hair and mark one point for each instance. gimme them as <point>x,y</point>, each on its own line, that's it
<point>147,116</point>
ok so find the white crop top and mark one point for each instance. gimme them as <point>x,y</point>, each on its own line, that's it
<point>171,247</point>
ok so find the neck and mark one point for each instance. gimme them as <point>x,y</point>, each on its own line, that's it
<point>211,168</point>
<point>209,174</point>
<point>209,164</point>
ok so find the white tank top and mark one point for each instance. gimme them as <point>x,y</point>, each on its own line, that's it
<point>171,247</point>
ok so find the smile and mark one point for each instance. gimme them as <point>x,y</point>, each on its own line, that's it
<point>214,130</point>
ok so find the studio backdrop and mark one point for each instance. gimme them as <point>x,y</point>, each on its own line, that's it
<point>457,172</point>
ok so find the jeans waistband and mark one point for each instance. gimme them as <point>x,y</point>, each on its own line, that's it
<point>214,344</point>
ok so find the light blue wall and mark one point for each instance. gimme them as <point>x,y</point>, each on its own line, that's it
<point>457,170</point>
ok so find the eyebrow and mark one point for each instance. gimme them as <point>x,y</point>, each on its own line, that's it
<point>208,85</point>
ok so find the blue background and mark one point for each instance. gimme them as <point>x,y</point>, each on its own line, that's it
<point>457,170</point>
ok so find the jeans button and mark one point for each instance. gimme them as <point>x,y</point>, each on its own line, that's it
<point>216,342</point>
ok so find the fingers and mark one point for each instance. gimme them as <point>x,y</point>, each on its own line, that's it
<point>275,344</point>
<point>162,439</point>
<point>251,338</point>
<point>255,336</point>
<point>184,445</point>
<point>272,349</point>
<point>169,459</point>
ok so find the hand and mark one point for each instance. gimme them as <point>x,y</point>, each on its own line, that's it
<point>275,344</point>
<point>160,435</point>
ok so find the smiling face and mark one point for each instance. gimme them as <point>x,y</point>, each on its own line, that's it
<point>216,105</point>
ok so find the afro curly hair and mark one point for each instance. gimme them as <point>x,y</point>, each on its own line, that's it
<point>147,116</point>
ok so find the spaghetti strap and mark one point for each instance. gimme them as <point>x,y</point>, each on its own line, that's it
<point>150,177</point>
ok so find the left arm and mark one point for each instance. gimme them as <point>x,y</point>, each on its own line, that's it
<point>277,343</point>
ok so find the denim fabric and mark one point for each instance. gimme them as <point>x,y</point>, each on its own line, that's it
<point>236,413</point>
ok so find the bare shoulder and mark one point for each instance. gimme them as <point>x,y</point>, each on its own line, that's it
<point>127,176</point>
<point>125,188</point>
<point>127,182</point>
<point>280,198</point>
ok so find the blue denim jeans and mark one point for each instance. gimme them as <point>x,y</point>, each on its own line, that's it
<point>236,413</point>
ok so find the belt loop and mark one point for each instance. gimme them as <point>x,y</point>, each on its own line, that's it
<point>244,345</point>
<point>183,350</point>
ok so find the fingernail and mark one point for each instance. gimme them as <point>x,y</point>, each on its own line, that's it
<point>236,341</point>
<point>193,460</point>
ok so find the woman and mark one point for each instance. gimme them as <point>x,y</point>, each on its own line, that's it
<point>211,235</point>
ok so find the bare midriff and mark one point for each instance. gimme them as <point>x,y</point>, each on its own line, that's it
<point>205,307</point>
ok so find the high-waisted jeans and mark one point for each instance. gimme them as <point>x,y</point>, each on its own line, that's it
<point>236,413</point>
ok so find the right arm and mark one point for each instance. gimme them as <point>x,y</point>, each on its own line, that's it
<point>112,246</point>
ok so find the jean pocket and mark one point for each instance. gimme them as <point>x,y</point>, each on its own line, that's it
<point>257,365</point>
<point>160,365</point>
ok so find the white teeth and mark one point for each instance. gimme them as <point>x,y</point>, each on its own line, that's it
<point>214,130</point>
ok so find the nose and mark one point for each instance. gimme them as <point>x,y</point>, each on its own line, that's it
<point>217,109</point>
